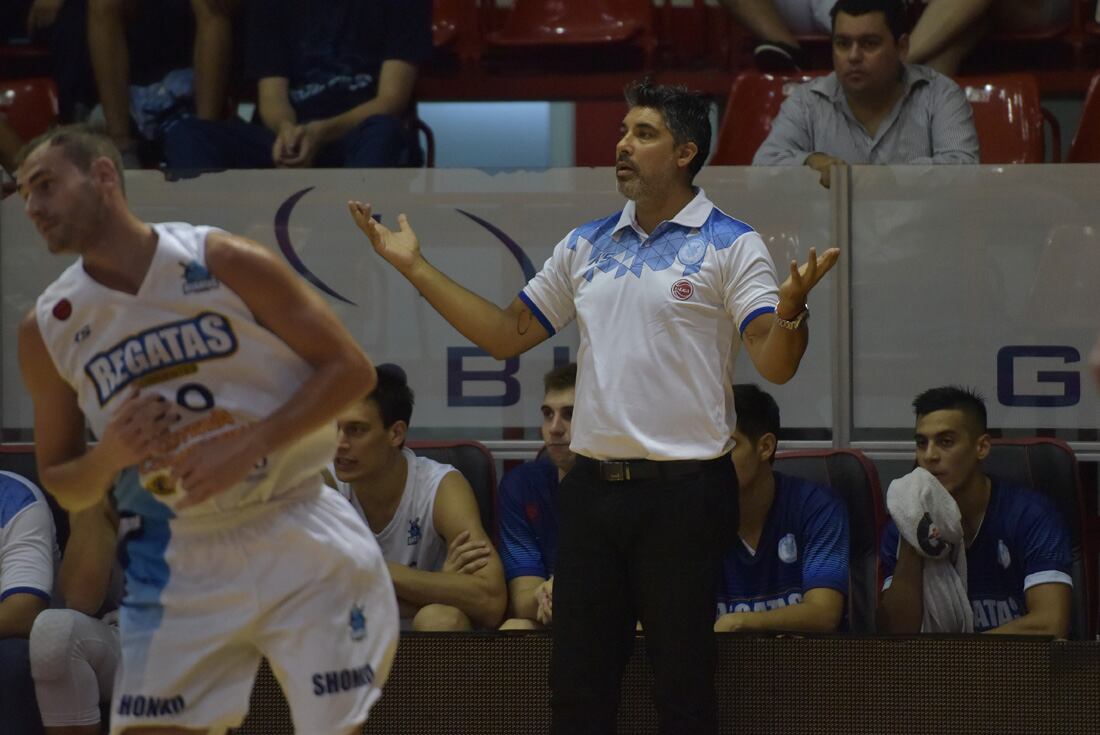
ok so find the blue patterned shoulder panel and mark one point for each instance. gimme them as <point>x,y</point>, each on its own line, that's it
<point>723,230</point>
<point>594,230</point>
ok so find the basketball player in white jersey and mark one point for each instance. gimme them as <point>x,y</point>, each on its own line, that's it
<point>211,376</point>
<point>445,571</point>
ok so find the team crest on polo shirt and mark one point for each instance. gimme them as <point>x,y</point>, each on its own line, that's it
<point>682,290</point>
<point>788,549</point>
<point>692,251</point>
<point>1003,557</point>
<point>414,532</point>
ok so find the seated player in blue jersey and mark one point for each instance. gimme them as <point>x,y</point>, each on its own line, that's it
<point>528,521</point>
<point>788,568</point>
<point>1017,546</point>
<point>28,555</point>
<point>446,574</point>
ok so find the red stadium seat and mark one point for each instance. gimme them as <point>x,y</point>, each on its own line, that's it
<point>1085,147</point>
<point>1009,118</point>
<point>20,60</point>
<point>754,101</point>
<point>592,22</point>
<point>30,105</point>
<point>852,476</point>
<point>455,26</point>
<point>1050,466</point>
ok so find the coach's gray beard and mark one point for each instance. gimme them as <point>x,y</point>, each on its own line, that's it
<point>635,188</point>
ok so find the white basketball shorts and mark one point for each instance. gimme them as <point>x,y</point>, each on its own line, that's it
<point>299,581</point>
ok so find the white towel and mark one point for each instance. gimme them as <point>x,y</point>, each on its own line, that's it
<point>929,520</point>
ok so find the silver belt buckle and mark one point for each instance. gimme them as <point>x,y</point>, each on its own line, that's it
<point>617,471</point>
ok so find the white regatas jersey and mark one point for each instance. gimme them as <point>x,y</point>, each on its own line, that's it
<point>410,537</point>
<point>189,338</point>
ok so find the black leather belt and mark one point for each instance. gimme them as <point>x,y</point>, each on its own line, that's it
<point>622,470</point>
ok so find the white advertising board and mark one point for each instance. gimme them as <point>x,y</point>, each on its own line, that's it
<point>488,231</point>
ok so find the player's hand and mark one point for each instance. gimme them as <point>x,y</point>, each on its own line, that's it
<point>729,623</point>
<point>400,249</point>
<point>307,142</point>
<point>823,164</point>
<point>465,556</point>
<point>214,465</point>
<point>286,143</point>
<point>42,14</point>
<point>802,279</point>
<point>140,426</point>
<point>544,593</point>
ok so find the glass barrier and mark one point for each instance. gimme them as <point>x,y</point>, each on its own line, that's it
<point>983,276</point>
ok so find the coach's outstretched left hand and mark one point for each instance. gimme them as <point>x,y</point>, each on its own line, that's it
<point>802,279</point>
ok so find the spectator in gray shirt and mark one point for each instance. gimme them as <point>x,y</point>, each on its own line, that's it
<point>874,108</point>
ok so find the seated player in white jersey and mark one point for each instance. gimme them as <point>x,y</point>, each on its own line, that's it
<point>212,376</point>
<point>788,569</point>
<point>75,650</point>
<point>445,571</point>
<point>28,557</point>
<point>528,514</point>
<point>1017,545</point>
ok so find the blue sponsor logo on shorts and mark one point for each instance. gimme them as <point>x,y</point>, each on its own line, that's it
<point>137,705</point>
<point>342,680</point>
<point>357,621</point>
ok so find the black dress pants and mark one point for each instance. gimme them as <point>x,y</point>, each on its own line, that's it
<point>646,550</point>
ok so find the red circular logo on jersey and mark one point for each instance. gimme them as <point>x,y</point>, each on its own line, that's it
<point>682,289</point>
<point>63,309</point>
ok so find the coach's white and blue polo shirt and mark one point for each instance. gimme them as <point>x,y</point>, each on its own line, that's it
<point>660,317</point>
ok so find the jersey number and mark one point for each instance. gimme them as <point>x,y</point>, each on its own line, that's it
<point>195,397</point>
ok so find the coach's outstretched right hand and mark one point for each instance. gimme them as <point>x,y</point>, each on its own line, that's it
<point>401,249</point>
<point>503,333</point>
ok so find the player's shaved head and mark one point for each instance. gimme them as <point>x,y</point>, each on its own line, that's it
<point>81,144</point>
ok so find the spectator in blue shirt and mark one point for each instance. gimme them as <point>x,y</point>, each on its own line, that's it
<point>528,523</point>
<point>335,88</point>
<point>788,568</point>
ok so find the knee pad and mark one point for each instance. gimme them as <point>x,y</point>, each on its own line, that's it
<point>51,643</point>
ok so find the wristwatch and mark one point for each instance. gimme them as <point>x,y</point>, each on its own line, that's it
<point>793,324</point>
